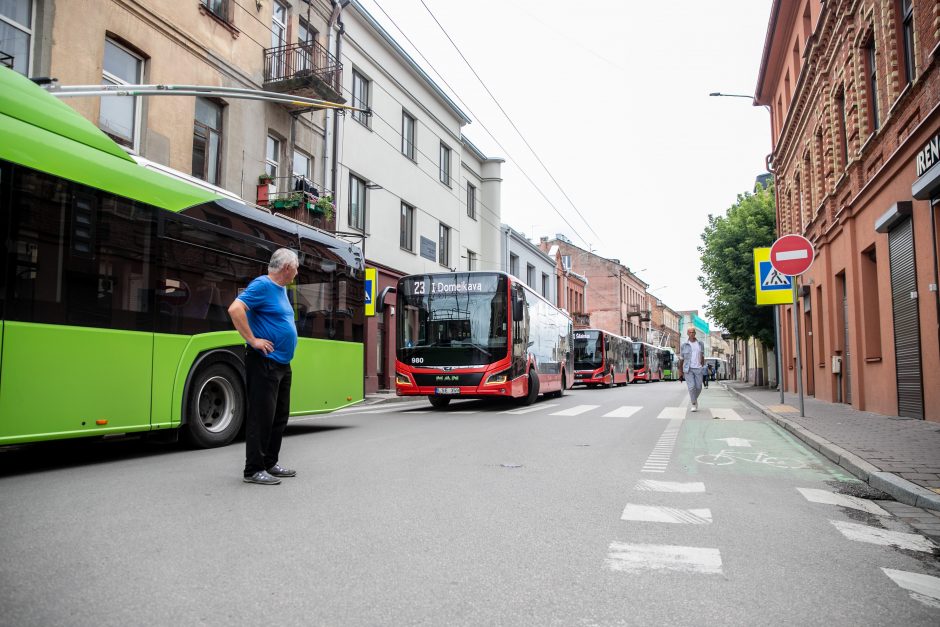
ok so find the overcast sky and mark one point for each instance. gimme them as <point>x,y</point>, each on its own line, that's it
<point>613,97</point>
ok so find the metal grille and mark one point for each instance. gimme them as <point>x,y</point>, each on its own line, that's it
<point>906,320</point>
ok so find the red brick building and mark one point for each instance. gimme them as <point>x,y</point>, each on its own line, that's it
<point>571,286</point>
<point>854,94</point>
<point>616,299</point>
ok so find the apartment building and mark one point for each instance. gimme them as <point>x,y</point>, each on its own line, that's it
<point>529,263</point>
<point>853,90</point>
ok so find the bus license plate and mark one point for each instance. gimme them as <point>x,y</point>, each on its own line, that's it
<point>447,390</point>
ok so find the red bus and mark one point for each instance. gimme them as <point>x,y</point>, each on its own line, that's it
<point>647,365</point>
<point>479,335</point>
<point>602,358</point>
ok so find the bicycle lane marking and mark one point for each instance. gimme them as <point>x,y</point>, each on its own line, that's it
<point>703,447</point>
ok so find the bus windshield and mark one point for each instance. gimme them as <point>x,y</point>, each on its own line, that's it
<point>452,320</point>
<point>588,350</point>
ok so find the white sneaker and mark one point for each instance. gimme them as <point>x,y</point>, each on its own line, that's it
<point>694,407</point>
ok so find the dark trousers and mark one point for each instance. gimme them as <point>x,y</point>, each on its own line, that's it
<point>268,410</point>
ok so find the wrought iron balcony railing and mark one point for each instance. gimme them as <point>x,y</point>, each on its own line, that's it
<point>303,61</point>
<point>6,60</point>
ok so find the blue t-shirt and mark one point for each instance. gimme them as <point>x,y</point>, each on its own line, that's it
<point>270,317</point>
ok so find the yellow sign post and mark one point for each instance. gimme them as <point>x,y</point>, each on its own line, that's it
<point>370,285</point>
<point>772,288</point>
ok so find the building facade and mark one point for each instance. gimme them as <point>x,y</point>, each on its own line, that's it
<point>664,325</point>
<point>616,299</point>
<point>853,89</point>
<point>570,287</point>
<point>529,263</point>
<point>398,164</point>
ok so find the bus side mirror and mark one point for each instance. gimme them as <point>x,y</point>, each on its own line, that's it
<point>518,309</point>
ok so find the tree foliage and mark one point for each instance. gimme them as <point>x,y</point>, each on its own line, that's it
<point>728,264</point>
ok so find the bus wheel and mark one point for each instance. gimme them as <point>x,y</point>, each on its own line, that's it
<point>611,384</point>
<point>533,388</point>
<point>440,402</point>
<point>215,408</point>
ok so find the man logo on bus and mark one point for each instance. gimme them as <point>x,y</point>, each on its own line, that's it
<point>447,377</point>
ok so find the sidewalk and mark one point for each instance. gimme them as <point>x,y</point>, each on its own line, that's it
<point>900,456</point>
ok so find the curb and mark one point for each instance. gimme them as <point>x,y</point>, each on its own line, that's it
<point>900,489</point>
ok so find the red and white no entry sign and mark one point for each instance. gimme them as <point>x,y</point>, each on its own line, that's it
<point>791,255</point>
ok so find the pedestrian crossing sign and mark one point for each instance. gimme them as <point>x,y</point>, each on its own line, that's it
<point>370,288</point>
<point>772,288</point>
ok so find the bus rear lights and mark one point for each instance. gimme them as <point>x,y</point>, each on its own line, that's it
<point>500,378</point>
<point>101,422</point>
<point>401,379</point>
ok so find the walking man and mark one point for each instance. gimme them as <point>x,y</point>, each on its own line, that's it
<point>691,366</point>
<point>262,314</point>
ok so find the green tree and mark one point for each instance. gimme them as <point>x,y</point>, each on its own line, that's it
<point>728,265</point>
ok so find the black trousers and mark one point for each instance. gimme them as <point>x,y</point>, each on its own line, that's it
<point>268,410</point>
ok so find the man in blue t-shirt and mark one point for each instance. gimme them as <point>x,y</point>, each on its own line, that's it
<point>263,315</point>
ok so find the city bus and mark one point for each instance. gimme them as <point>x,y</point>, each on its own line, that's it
<point>116,281</point>
<point>646,362</point>
<point>669,363</point>
<point>602,358</point>
<point>479,335</point>
<point>719,367</point>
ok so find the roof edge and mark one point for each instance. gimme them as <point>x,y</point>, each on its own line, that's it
<point>765,55</point>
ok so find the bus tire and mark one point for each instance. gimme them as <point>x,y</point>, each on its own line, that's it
<point>611,384</point>
<point>533,394</point>
<point>215,406</point>
<point>439,402</point>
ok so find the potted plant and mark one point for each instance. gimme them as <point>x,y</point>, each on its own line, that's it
<point>324,207</point>
<point>290,201</point>
<point>265,179</point>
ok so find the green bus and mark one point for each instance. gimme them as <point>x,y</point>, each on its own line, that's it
<point>115,282</point>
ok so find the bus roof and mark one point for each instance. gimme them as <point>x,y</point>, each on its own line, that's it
<point>40,132</point>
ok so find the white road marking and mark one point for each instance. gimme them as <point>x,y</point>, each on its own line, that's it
<point>651,485</point>
<point>844,500</point>
<point>658,460</point>
<point>526,410</point>
<point>421,411</point>
<point>636,558</point>
<point>672,413</point>
<point>656,513</point>
<point>466,411</point>
<point>725,413</point>
<point>923,588</point>
<point>576,410</point>
<point>792,254</point>
<point>884,537</point>
<point>622,412</point>
<point>740,442</point>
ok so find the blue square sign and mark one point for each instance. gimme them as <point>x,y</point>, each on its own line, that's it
<point>771,280</point>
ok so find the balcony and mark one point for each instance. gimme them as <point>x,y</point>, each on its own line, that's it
<point>298,199</point>
<point>306,69</point>
<point>6,60</point>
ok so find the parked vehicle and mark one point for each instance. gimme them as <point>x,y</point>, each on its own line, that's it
<point>602,358</point>
<point>647,365</point>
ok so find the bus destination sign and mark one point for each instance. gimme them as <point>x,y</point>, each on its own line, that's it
<point>424,287</point>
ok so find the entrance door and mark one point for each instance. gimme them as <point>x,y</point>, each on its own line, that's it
<point>904,301</point>
<point>809,364</point>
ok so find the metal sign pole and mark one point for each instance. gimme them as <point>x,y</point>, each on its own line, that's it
<point>779,358</point>
<point>796,338</point>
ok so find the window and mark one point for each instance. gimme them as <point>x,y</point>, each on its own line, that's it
<point>471,201</point>
<point>207,141</point>
<point>471,260</point>
<point>445,165</point>
<point>407,238</point>
<point>407,135</point>
<point>514,265</point>
<point>360,97</point>
<point>220,8</point>
<point>907,39</point>
<point>119,116</point>
<point>306,38</point>
<point>544,285</point>
<point>272,156</point>
<point>303,165</point>
<point>843,130</point>
<point>16,33</point>
<point>870,65</point>
<point>443,245</point>
<point>530,275</point>
<point>357,203</point>
<point>279,25</point>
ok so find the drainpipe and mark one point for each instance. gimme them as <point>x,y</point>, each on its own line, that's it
<point>330,148</point>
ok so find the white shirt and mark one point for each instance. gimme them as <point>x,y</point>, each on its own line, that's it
<point>691,354</point>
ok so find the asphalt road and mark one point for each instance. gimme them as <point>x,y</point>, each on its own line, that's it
<point>604,507</point>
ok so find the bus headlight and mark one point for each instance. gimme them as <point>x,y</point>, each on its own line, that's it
<point>401,379</point>
<point>500,378</point>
